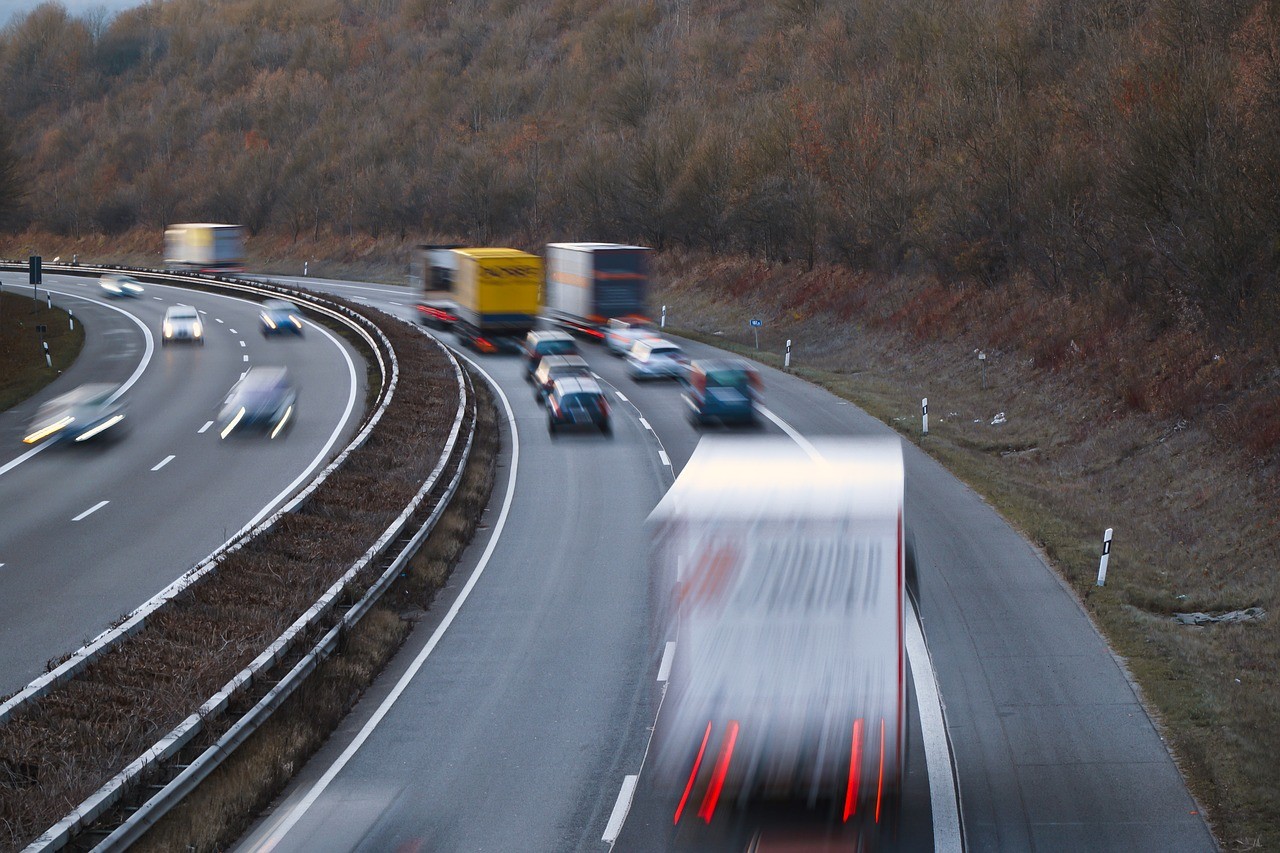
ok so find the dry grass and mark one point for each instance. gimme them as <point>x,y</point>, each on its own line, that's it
<point>232,797</point>
<point>67,744</point>
<point>23,371</point>
<point>1110,424</point>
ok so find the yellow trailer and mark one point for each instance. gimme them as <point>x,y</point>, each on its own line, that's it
<point>497,295</point>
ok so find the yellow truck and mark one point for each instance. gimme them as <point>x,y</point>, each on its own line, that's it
<point>496,296</point>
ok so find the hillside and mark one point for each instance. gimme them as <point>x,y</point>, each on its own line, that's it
<point>1085,189</point>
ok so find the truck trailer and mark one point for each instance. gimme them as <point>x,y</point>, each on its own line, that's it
<point>778,572</point>
<point>590,283</point>
<point>495,297</point>
<point>432,270</point>
<point>204,246</point>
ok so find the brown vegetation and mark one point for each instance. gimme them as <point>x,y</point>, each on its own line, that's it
<point>66,745</point>
<point>23,370</point>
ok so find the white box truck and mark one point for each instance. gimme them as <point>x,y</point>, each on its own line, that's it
<point>204,246</point>
<point>778,572</point>
<point>588,284</point>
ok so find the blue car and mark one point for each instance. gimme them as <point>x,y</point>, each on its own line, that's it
<point>263,401</point>
<point>280,318</point>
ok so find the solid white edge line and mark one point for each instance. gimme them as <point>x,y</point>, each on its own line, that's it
<point>620,809</point>
<point>791,431</point>
<point>207,424</point>
<point>147,353</point>
<point>933,728</point>
<point>163,462</point>
<point>91,510</point>
<point>290,815</point>
<point>664,669</point>
<point>645,424</point>
<point>666,460</point>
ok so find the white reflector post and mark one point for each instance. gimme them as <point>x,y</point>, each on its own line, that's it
<point>924,415</point>
<point>1106,556</point>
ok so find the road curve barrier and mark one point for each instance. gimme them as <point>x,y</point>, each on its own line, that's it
<point>387,557</point>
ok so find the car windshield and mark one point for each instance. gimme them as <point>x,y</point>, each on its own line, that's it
<point>182,313</point>
<point>727,378</point>
<point>556,347</point>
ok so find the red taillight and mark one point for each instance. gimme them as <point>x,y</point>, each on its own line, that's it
<point>722,770</point>
<point>855,771</point>
<point>693,774</point>
<point>604,405</point>
<point>880,782</point>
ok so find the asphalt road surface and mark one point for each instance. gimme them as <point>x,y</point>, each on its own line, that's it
<point>88,533</point>
<point>520,710</point>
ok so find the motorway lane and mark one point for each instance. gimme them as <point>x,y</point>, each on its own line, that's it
<point>174,491</point>
<point>1053,748</point>
<point>524,718</point>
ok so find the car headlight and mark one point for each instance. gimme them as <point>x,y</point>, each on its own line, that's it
<point>266,318</point>
<point>168,329</point>
<point>196,330</point>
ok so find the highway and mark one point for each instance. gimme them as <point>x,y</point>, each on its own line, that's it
<point>518,714</point>
<point>89,533</point>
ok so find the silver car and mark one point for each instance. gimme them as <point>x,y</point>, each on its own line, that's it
<point>182,323</point>
<point>656,358</point>
<point>117,285</point>
<point>83,414</point>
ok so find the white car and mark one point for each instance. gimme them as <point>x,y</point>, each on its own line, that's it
<point>656,358</point>
<point>114,285</point>
<point>182,323</point>
<point>622,332</point>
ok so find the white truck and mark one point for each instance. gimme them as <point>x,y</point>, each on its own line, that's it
<point>204,246</point>
<point>588,284</point>
<point>778,572</point>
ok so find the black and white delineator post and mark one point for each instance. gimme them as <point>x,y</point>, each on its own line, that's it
<point>71,319</point>
<point>48,300</point>
<point>924,415</point>
<point>662,324</point>
<point>48,361</point>
<point>786,360</point>
<point>1106,557</point>
<point>982,360</point>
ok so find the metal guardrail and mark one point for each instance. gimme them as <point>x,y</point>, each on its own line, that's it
<point>131,624</point>
<point>110,793</point>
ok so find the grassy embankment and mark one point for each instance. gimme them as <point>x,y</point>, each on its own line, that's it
<point>1193,507</point>
<point>23,370</point>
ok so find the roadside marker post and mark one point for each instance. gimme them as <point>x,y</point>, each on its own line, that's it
<point>786,361</point>
<point>982,360</point>
<point>48,300</point>
<point>71,319</point>
<point>1106,557</point>
<point>924,415</point>
<point>305,266</point>
<point>662,324</point>
<point>48,361</point>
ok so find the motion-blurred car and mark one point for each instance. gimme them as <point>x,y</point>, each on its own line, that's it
<point>85,413</point>
<point>622,332</point>
<point>263,400</point>
<point>656,358</point>
<point>117,285</point>
<point>553,367</point>
<point>182,323</point>
<point>436,315</point>
<point>537,344</point>
<point>721,389</point>
<point>280,318</point>
<point>577,403</point>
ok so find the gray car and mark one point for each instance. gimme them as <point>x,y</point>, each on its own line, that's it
<point>182,323</point>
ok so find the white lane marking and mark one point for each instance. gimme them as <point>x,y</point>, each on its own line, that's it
<point>242,343</point>
<point>246,358</point>
<point>646,425</point>
<point>289,815</point>
<point>943,799</point>
<point>666,460</point>
<point>791,431</point>
<point>206,426</point>
<point>1,565</point>
<point>163,462</point>
<point>157,299</point>
<point>218,320</point>
<point>664,668</point>
<point>937,751</point>
<point>622,397</point>
<point>398,304</point>
<point>91,510</point>
<point>147,353</point>
<point>232,331</point>
<point>620,809</point>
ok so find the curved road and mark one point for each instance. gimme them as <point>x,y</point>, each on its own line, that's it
<point>520,706</point>
<point>89,533</point>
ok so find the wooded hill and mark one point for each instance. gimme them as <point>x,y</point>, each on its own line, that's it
<point>1119,146</point>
